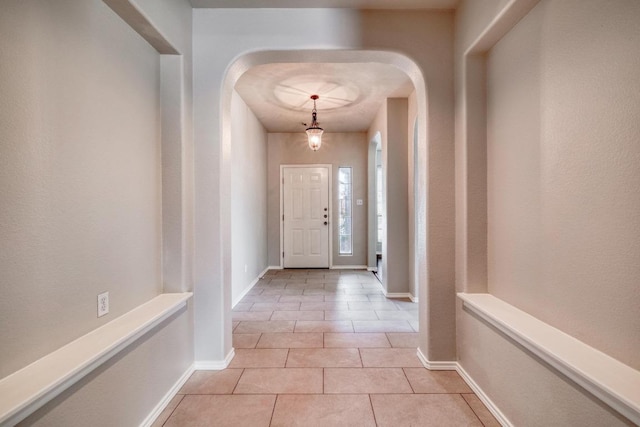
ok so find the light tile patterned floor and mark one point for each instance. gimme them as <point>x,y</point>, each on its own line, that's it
<point>324,348</point>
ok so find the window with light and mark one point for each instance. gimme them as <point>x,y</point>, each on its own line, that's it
<point>344,211</point>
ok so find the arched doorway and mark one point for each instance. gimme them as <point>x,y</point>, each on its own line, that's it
<point>249,60</point>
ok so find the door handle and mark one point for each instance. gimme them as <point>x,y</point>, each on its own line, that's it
<point>325,216</point>
<point>325,223</point>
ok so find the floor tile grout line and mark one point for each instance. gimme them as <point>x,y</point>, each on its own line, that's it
<point>409,381</point>
<point>273,410</point>
<point>373,410</point>
<point>173,410</point>
<point>472,410</point>
<point>238,382</point>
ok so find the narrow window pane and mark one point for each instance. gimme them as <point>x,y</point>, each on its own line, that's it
<point>379,203</point>
<point>344,211</point>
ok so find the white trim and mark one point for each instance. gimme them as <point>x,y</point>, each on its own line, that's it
<point>455,366</point>
<point>436,365</point>
<point>275,267</point>
<point>348,267</point>
<point>413,299</point>
<point>28,389</point>
<point>372,269</point>
<point>155,413</point>
<point>397,294</point>
<point>251,285</point>
<point>215,365</point>
<point>606,378</point>
<point>497,413</point>
<point>329,166</point>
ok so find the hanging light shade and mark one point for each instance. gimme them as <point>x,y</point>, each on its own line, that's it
<point>314,132</point>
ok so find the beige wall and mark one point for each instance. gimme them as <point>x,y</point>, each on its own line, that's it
<point>412,206</point>
<point>338,149</point>
<point>80,198</point>
<point>227,42</point>
<point>562,127</point>
<point>249,202</point>
<point>391,122</point>
<point>563,171</point>
<point>124,390</point>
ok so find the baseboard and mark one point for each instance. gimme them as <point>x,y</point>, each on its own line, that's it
<point>372,269</point>
<point>413,299</point>
<point>214,365</point>
<point>397,294</point>
<point>274,267</point>
<point>504,421</point>
<point>155,413</point>
<point>437,365</point>
<point>455,366</point>
<point>348,267</point>
<point>251,285</point>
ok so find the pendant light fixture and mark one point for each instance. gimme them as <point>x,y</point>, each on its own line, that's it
<point>314,132</point>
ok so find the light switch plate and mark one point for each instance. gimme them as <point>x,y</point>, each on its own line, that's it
<point>359,202</point>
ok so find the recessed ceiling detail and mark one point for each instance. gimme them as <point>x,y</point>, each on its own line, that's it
<point>292,92</point>
<point>350,94</point>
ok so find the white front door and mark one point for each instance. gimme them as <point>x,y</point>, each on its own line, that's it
<point>306,217</point>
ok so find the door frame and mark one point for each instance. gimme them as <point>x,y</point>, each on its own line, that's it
<point>330,182</point>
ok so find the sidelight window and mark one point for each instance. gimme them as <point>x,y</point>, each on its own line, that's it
<point>345,194</point>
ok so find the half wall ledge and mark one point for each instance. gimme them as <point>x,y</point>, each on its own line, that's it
<point>26,390</point>
<point>611,381</point>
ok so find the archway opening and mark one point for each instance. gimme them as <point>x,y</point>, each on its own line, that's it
<point>250,60</point>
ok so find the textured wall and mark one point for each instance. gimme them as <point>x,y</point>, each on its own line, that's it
<point>80,199</point>
<point>80,175</point>
<point>562,202</point>
<point>124,390</point>
<point>563,154</point>
<point>229,40</point>
<point>249,202</point>
<point>391,122</point>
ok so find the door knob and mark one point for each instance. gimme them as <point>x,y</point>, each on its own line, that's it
<point>325,209</point>
<point>325,216</point>
<point>325,223</point>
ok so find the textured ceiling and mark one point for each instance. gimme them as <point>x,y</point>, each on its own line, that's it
<point>350,94</point>
<point>348,4</point>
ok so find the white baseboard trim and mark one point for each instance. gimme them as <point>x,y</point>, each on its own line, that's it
<point>436,365</point>
<point>372,269</point>
<point>274,267</point>
<point>502,419</point>
<point>155,413</point>
<point>455,366</point>
<point>251,285</point>
<point>413,299</point>
<point>214,365</point>
<point>397,294</point>
<point>348,267</point>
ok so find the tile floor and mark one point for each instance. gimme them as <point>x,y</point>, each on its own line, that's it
<point>324,348</point>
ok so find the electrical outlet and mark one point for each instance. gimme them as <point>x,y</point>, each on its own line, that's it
<point>103,304</point>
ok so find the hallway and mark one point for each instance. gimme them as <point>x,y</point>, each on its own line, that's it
<point>324,348</point>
